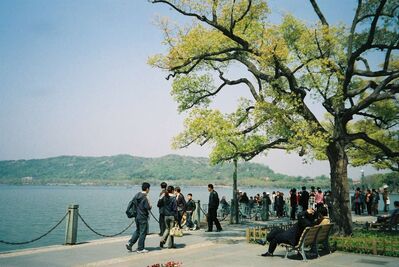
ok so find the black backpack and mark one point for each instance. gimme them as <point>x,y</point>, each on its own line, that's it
<point>131,211</point>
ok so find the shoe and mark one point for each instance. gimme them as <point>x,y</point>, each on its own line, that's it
<point>161,244</point>
<point>142,251</point>
<point>219,230</point>
<point>173,246</point>
<point>128,247</point>
<point>267,254</point>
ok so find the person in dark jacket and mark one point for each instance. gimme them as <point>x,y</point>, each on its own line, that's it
<point>304,199</point>
<point>143,208</point>
<point>290,236</point>
<point>190,208</point>
<point>293,203</point>
<point>213,205</point>
<point>169,205</point>
<point>161,220</point>
<point>181,205</point>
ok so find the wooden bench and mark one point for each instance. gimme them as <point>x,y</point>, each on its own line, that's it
<point>311,236</point>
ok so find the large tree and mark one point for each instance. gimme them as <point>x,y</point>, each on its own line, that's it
<point>293,71</point>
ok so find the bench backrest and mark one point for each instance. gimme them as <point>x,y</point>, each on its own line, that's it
<point>324,232</point>
<point>308,236</point>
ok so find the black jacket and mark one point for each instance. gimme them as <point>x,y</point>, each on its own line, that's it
<point>190,205</point>
<point>168,205</point>
<point>143,206</point>
<point>304,198</point>
<point>213,200</point>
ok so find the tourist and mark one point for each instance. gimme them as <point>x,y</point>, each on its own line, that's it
<point>312,196</point>
<point>304,199</point>
<point>290,236</point>
<point>329,202</point>
<point>391,215</point>
<point>143,209</point>
<point>181,205</point>
<point>357,201</point>
<point>161,214</point>
<point>280,204</point>
<point>369,201</point>
<point>168,202</point>
<point>190,208</point>
<point>293,203</point>
<point>376,199</point>
<point>225,206</point>
<point>319,198</point>
<point>213,205</point>
<point>385,198</point>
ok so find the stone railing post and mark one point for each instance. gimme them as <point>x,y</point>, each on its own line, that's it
<point>71,230</point>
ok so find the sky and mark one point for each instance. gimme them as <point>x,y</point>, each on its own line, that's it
<point>75,81</point>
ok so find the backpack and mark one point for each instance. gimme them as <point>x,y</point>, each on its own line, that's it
<point>131,211</point>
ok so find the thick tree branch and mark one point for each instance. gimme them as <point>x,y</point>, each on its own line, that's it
<point>319,13</point>
<point>363,136</point>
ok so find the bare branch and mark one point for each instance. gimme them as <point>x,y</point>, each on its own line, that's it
<point>319,13</point>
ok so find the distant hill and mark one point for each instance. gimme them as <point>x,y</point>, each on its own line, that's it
<point>129,169</point>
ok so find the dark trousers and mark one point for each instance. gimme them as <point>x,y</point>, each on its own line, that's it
<point>293,212</point>
<point>368,205</point>
<point>212,217</point>
<point>357,208</point>
<point>179,217</point>
<point>162,225</point>
<point>278,236</point>
<point>139,234</point>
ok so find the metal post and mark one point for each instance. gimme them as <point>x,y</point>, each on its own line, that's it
<point>71,230</point>
<point>199,213</point>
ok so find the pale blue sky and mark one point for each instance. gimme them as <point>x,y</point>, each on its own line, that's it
<point>74,80</point>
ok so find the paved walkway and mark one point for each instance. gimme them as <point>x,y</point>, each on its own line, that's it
<point>196,248</point>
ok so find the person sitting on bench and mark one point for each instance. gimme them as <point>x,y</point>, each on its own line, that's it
<point>388,218</point>
<point>292,235</point>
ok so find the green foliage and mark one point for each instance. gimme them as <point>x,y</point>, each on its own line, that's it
<point>368,242</point>
<point>128,169</point>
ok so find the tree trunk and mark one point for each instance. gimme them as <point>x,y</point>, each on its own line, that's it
<point>341,214</point>
<point>235,199</point>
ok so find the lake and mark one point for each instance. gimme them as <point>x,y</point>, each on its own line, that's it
<point>29,211</point>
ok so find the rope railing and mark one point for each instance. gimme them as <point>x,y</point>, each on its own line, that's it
<point>153,216</point>
<point>104,235</point>
<point>35,239</point>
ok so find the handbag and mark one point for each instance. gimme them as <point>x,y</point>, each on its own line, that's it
<point>176,231</point>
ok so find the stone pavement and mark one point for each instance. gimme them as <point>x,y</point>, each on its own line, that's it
<point>196,248</point>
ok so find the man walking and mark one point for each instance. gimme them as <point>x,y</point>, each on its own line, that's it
<point>212,209</point>
<point>143,207</point>
<point>162,225</point>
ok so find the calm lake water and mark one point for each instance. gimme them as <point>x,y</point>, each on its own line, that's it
<point>29,211</point>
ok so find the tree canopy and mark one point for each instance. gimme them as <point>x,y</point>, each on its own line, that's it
<point>285,67</point>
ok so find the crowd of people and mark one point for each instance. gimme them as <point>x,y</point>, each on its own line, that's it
<point>282,206</point>
<point>307,207</point>
<point>369,199</point>
<point>175,210</point>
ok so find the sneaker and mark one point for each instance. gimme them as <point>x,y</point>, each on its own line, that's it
<point>142,251</point>
<point>128,247</point>
<point>267,254</point>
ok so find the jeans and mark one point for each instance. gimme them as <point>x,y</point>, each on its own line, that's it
<point>166,237</point>
<point>139,234</point>
<point>189,221</point>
